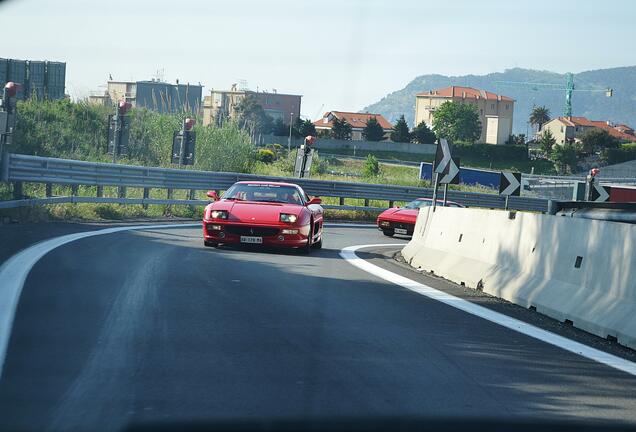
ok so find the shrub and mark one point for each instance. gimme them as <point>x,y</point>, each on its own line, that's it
<point>491,152</point>
<point>266,155</point>
<point>371,167</point>
<point>624,153</point>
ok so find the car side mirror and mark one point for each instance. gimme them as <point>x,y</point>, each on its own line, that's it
<point>314,200</point>
<point>213,195</point>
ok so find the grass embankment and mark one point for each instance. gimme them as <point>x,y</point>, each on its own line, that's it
<point>538,166</point>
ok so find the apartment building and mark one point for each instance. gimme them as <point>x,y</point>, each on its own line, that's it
<point>495,111</point>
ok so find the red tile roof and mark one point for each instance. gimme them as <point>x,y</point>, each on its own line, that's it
<point>465,92</point>
<point>356,120</point>
<point>616,131</point>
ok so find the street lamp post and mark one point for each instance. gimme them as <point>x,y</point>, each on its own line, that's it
<point>291,119</point>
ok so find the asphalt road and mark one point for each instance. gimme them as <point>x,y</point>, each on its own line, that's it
<point>150,326</point>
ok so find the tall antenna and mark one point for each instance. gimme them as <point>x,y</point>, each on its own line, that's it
<point>159,75</point>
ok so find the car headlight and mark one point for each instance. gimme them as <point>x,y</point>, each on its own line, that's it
<point>219,214</point>
<point>289,218</point>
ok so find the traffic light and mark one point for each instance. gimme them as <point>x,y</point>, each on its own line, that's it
<point>183,143</point>
<point>119,130</point>
<point>123,107</point>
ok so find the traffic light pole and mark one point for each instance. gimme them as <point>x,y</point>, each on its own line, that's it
<point>116,136</point>
<point>182,144</point>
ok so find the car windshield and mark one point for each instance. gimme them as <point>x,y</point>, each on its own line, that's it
<point>264,193</point>
<point>415,204</point>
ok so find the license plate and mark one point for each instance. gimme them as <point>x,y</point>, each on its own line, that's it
<point>250,239</point>
<point>400,231</point>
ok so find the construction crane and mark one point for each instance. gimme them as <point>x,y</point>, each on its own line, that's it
<point>569,89</point>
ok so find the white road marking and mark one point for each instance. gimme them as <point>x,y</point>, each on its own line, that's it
<point>349,254</point>
<point>15,270</point>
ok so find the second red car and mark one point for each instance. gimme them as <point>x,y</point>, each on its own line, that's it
<point>401,220</point>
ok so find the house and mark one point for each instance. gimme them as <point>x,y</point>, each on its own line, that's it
<point>155,95</point>
<point>222,104</point>
<point>495,111</point>
<point>570,129</point>
<point>357,121</point>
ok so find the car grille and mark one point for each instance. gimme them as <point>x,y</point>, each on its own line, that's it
<point>251,231</point>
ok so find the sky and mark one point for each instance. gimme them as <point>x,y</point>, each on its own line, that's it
<point>339,54</point>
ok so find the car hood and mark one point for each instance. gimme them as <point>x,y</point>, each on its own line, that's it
<point>400,214</point>
<point>257,212</point>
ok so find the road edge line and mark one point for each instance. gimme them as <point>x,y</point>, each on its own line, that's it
<point>349,254</point>
<point>14,272</point>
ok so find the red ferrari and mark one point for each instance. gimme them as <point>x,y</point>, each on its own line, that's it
<point>271,214</point>
<point>398,220</point>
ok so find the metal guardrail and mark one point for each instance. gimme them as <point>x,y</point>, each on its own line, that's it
<point>35,169</point>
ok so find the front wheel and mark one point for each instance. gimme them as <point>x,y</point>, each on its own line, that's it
<point>318,244</point>
<point>388,233</point>
<point>307,248</point>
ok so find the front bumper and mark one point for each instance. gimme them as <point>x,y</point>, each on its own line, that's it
<point>388,225</point>
<point>272,235</point>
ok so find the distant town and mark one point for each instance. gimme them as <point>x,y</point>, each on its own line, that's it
<point>460,113</point>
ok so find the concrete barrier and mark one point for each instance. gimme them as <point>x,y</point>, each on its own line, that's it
<point>579,270</point>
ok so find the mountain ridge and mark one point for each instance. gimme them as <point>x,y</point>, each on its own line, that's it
<point>620,108</point>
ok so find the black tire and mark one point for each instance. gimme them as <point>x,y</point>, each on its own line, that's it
<point>318,244</point>
<point>307,248</point>
<point>210,244</point>
<point>388,233</point>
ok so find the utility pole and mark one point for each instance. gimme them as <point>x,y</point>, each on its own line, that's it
<point>291,120</point>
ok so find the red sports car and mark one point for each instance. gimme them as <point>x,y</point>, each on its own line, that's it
<point>267,213</point>
<point>398,220</point>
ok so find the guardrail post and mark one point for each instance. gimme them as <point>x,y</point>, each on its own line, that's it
<point>342,201</point>
<point>191,195</point>
<point>146,196</point>
<point>121,192</point>
<point>74,189</point>
<point>391,203</point>
<point>100,191</point>
<point>168,210</point>
<point>366,202</point>
<point>48,190</point>
<point>17,190</point>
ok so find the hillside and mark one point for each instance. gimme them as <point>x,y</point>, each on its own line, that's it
<point>621,108</point>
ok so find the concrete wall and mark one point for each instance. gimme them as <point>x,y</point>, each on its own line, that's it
<point>530,260</point>
<point>331,144</point>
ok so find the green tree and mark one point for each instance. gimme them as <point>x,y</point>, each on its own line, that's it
<point>279,128</point>
<point>252,117</point>
<point>598,139</point>
<point>373,131</point>
<point>547,142</point>
<point>564,157</point>
<point>539,116</point>
<point>400,131</point>
<point>517,139</point>
<point>340,129</point>
<point>457,122</point>
<point>422,134</point>
<point>371,166</point>
<point>306,127</point>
